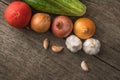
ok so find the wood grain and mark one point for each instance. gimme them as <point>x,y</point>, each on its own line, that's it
<point>22,56</point>
<point>105,14</point>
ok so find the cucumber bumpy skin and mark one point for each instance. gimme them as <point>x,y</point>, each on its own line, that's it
<point>63,7</point>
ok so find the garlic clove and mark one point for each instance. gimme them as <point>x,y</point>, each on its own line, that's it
<point>84,66</point>
<point>46,43</point>
<point>56,48</point>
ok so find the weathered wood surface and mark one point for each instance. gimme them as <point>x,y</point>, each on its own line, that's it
<point>22,56</point>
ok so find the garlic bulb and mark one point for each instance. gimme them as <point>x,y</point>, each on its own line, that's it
<point>73,43</point>
<point>91,46</point>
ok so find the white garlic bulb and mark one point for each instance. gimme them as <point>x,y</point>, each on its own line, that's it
<point>91,46</point>
<point>73,43</point>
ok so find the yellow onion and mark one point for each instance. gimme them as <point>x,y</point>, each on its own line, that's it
<point>40,22</point>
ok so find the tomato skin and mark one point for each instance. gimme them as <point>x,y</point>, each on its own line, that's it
<point>18,14</point>
<point>84,28</point>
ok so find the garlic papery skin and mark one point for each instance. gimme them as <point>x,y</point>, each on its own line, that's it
<point>91,46</point>
<point>84,66</point>
<point>73,43</point>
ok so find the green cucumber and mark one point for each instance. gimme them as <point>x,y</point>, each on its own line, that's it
<point>62,7</point>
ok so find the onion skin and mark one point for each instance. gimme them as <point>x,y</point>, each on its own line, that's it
<point>62,26</point>
<point>40,22</point>
<point>84,28</point>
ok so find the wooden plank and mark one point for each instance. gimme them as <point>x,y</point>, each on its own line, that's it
<point>106,16</point>
<point>22,57</point>
<point>7,1</point>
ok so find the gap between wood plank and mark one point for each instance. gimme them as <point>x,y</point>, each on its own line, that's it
<point>107,63</point>
<point>94,56</point>
<point>4,2</point>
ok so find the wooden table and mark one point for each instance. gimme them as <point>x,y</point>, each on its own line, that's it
<point>22,56</point>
